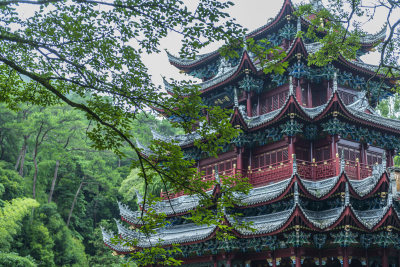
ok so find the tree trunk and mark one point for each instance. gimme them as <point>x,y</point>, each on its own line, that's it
<point>95,212</point>
<point>35,173</point>
<point>23,153</point>
<point>2,147</point>
<point>53,183</point>
<point>18,160</point>
<point>21,167</point>
<point>73,203</point>
<point>35,150</point>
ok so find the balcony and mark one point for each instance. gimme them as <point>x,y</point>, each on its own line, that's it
<point>283,170</point>
<point>272,173</point>
<point>309,170</point>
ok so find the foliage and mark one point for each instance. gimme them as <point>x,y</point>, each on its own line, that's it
<point>11,181</point>
<point>13,260</point>
<point>102,255</point>
<point>267,53</point>
<point>92,50</point>
<point>43,234</point>
<point>338,28</point>
<point>327,29</point>
<point>390,108</point>
<point>11,216</point>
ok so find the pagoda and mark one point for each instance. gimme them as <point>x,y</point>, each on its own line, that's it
<point>319,157</point>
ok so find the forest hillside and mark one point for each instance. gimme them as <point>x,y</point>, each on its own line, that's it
<point>56,190</point>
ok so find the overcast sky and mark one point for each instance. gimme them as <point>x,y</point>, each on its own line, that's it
<point>251,14</point>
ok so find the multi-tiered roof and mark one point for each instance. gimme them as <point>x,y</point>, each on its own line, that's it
<point>319,156</point>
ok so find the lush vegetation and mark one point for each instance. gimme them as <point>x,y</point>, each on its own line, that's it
<point>61,169</point>
<point>56,190</point>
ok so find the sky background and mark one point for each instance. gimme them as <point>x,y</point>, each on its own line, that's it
<point>251,14</point>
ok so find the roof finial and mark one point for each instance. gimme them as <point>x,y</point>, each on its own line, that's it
<point>298,24</point>
<point>294,164</point>
<point>235,98</point>
<point>342,162</point>
<point>291,90</point>
<point>389,199</point>
<point>393,186</point>
<point>335,82</point>
<point>384,161</point>
<point>347,195</point>
<point>296,193</point>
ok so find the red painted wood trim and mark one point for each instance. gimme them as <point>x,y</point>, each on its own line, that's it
<point>286,4</point>
<point>191,66</point>
<point>270,147</point>
<point>348,212</point>
<point>221,157</point>
<point>383,179</point>
<point>238,115</point>
<point>245,59</point>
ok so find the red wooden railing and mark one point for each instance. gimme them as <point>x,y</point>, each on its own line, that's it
<point>317,170</point>
<point>357,170</point>
<point>271,173</point>
<point>283,170</point>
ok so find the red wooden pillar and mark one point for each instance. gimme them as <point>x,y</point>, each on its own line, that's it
<point>333,140</point>
<point>363,153</point>
<point>248,104</point>
<point>215,261</point>
<point>239,159</point>
<point>258,106</point>
<point>309,96</point>
<point>291,149</point>
<point>345,258</point>
<point>298,260</point>
<point>389,158</point>
<point>334,152</point>
<point>385,260</point>
<point>328,91</point>
<point>358,169</point>
<point>311,150</point>
<point>298,92</point>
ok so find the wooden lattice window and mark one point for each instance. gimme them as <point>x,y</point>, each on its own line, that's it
<point>270,158</point>
<point>302,153</point>
<point>274,102</point>
<point>264,107</point>
<point>282,98</point>
<point>221,166</point>
<point>254,110</point>
<point>349,153</point>
<point>318,97</point>
<point>347,97</point>
<point>304,97</point>
<point>269,104</point>
<point>322,153</point>
<point>373,158</point>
